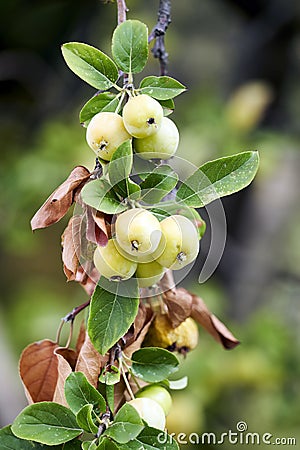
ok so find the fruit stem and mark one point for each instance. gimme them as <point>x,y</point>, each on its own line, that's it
<point>128,387</point>
<point>132,375</point>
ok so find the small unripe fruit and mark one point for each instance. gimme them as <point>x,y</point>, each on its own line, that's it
<point>105,133</point>
<point>162,144</point>
<point>150,411</point>
<point>158,394</point>
<point>111,264</point>
<point>138,233</point>
<point>148,274</point>
<point>142,116</point>
<point>179,245</point>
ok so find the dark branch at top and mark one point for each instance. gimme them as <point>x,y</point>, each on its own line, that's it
<point>158,34</point>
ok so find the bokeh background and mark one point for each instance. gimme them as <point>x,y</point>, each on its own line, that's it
<point>241,62</point>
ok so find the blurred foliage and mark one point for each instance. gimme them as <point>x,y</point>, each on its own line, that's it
<point>42,141</point>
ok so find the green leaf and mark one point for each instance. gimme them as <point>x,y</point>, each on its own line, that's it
<point>120,167</point>
<point>158,184</point>
<point>104,102</point>
<point>46,422</point>
<point>153,364</point>
<point>161,88</point>
<point>99,195</point>
<point>110,375</point>
<point>113,308</point>
<point>219,178</point>
<point>8,441</point>
<point>90,64</point>
<point>79,392</point>
<point>85,420</point>
<point>110,396</point>
<point>168,106</point>
<point>130,46</point>
<point>127,425</point>
<point>107,444</point>
<point>151,438</point>
<point>89,445</point>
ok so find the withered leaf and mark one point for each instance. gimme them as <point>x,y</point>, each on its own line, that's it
<point>71,244</point>
<point>63,371</point>
<point>96,230</point>
<point>87,280</point>
<point>81,337</point>
<point>57,205</point>
<point>179,303</point>
<point>68,354</point>
<point>136,335</point>
<point>90,362</point>
<point>38,370</point>
<point>212,324</point>
<point>167,282</point>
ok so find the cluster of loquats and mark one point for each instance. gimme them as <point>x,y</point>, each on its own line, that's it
<point>144,247</point>
<point>141,246</point>
<point>155,136</point>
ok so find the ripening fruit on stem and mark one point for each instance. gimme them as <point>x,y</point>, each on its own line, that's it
<point>150,411</point>
<point>142,116</point>
<point>179,245</point>
<point>182,338</point>
<point>148,274</point>
<point>111,264</point>
<point>105,133</point>
<point>162,144</point>
<point>138,234</point>
<point>158,394</point>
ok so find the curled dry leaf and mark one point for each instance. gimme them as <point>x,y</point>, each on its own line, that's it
<point>87,279</point>
<point>80,337</point>
<point>63,371</point>
<point>141,326</point>
<point>57,205</point>
<point>179,303</point>
<point>71,244</point>
<point>90,362</point>
<point>39,370</point>
<point>212,324</point>
<point>167,282</point>
<point>96,230</point>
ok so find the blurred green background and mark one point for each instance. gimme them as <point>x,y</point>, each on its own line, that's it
<point>241,63</point>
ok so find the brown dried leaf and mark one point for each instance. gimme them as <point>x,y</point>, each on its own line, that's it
<point>87,281</point>
<point>63,371</point>
<point>96,230</point>
<point>179,303</point>
<point>81,337</point>
<point>136,345</point>
<point>135,337</point>
<point>56,206</point>
<point>68,354</point>
<point>71,243</point>
<point>39,370</point>
<point>90,362</point>
<point>167,282</point>
<point>212,324</point>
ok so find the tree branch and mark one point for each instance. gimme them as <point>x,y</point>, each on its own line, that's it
<point>122,10</point>
<point>158,34</point>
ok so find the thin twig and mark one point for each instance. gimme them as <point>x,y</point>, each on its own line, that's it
<point>71,315</point>
<point>122,11</point>
<point>158,34</point>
